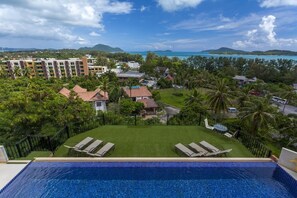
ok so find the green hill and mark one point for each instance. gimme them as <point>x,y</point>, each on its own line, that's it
<point>101,47</point>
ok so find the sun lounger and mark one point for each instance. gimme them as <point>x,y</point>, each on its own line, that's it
<point>208,146</point>
<point>206,124</point>
<point>218,153</point>
<point>105,149</point>
<point>91,147</point>
<point>198,148</point>
<point>229,135</point>
<point>185,150</point>
<point>81,144</point>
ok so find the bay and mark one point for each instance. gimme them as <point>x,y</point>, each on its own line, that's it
<point>185,55</point>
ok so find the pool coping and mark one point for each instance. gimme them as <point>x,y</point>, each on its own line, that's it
<point>148,159</point>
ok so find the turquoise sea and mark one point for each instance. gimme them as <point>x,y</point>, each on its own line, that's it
<point>184,55</point>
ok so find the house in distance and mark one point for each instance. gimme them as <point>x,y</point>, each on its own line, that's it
<point>97,98</point>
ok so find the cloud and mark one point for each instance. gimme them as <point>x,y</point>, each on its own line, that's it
<point>94,34</point>
<point>143,8</point>
<point>264,36</point>
<point>174,5</point>
<point>55,19</point>
<point>204,22</point>
<point>277,3</point>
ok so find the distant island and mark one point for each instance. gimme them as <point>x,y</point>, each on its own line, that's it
<point>101,47</point>
<point>228,51</point>
<point>163,51</point>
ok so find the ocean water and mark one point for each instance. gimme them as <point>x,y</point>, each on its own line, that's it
<point>185,55</point>
<point>152,179</point>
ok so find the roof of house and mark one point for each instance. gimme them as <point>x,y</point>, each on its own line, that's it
<point>137,91</point>
<point>86,95</point>
<point>148,103</point>
<point>130,74</point>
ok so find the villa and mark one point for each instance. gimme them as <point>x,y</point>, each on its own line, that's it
<point>130,74</point>
<point>97,98</point>
<point>242,80</point>
<point>143,95</point>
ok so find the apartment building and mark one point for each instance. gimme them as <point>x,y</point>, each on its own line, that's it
<point>48,68</point>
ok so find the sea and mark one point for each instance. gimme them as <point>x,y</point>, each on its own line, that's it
<point>185,55</point>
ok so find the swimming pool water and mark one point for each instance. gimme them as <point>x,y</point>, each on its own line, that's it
<point>151,179</point>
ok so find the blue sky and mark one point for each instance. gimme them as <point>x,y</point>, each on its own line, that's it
<point>138,25</point>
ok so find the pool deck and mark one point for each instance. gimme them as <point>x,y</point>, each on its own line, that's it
<point>10,170</point>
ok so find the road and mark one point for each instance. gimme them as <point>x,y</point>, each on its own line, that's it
<point>288,110</point>
<point>171,111</point>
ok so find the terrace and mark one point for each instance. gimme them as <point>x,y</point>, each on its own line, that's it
<point>154,141</point>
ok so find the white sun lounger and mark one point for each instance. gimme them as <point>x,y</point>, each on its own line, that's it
<point>91,147</point>
<point>209,146</point>
<point>107,147</point>
<point>206,124</point>
<point>198,148</point>
<point>218,153</point>
<point>81,144</point>
<point>185,150</point>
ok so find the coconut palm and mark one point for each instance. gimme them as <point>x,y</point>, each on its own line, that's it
<point>219,97</point>
<point>257,115</point>
<point>105,85</point>
<point>194,101</point>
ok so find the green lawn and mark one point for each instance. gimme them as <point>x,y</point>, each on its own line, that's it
<point>168,97</point>
<point>155,141</point>
<point>34,154</point>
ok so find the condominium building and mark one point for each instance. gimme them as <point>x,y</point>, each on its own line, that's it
<point>49,68</point>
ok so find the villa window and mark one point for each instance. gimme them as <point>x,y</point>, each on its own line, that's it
<point>98,104</point>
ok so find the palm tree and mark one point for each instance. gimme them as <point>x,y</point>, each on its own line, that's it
<point>105,85</point>
<point>219,97</point>
<point>257,115</point>
<point>195,102</point>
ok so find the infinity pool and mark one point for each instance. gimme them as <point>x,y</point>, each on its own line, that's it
<point>151,179</point>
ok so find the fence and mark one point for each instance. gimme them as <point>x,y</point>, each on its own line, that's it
<point>253,145</point>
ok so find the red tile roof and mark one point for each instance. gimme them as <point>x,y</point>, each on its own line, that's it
<point>148,103</point>
<point>140,91</point>
<point>86,95</point>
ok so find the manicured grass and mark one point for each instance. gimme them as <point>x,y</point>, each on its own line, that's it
<point>168,97</point>
<point>34,154</point>
<point>155,141</point>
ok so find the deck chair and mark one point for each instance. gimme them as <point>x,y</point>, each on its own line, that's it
<point>103,151</point>
<point>198,148</point>
<point>185,150</point>
<point>209,147</point>
<point>206,124</point>
<point>229,135</point>
<point>218,153</point>
<point>91,147</point>
<point>81,144</point>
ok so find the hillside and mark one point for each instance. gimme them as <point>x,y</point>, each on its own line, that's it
<point>225,50</point>
<point>101,47</point>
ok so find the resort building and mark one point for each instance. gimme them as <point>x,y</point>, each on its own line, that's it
<point>97,70</point>
<point>133,65</point>
<point>143,95</point>
<point>130,74</point>
<point>97,98</point>
<point>242,80</point>
<point>50,67</point>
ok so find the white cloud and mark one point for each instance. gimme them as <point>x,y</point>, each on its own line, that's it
<point>264,36</point>
<point>174,5</point>
<point>94,34</point>
<point>277,3</point>
<point>143,8</point>
<point>55,19</point>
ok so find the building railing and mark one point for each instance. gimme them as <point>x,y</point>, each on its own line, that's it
<point>253,145</point>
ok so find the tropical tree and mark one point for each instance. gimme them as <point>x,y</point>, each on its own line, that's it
<point>219,97</point>
<point>257,115</point>
<point>105,85</point>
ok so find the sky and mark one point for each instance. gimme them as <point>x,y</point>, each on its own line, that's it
<point>141,25</point>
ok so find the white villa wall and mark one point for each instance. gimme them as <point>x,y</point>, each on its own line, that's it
<point>102,107</point>
<point>288,159</point>
<point>3,155</point>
